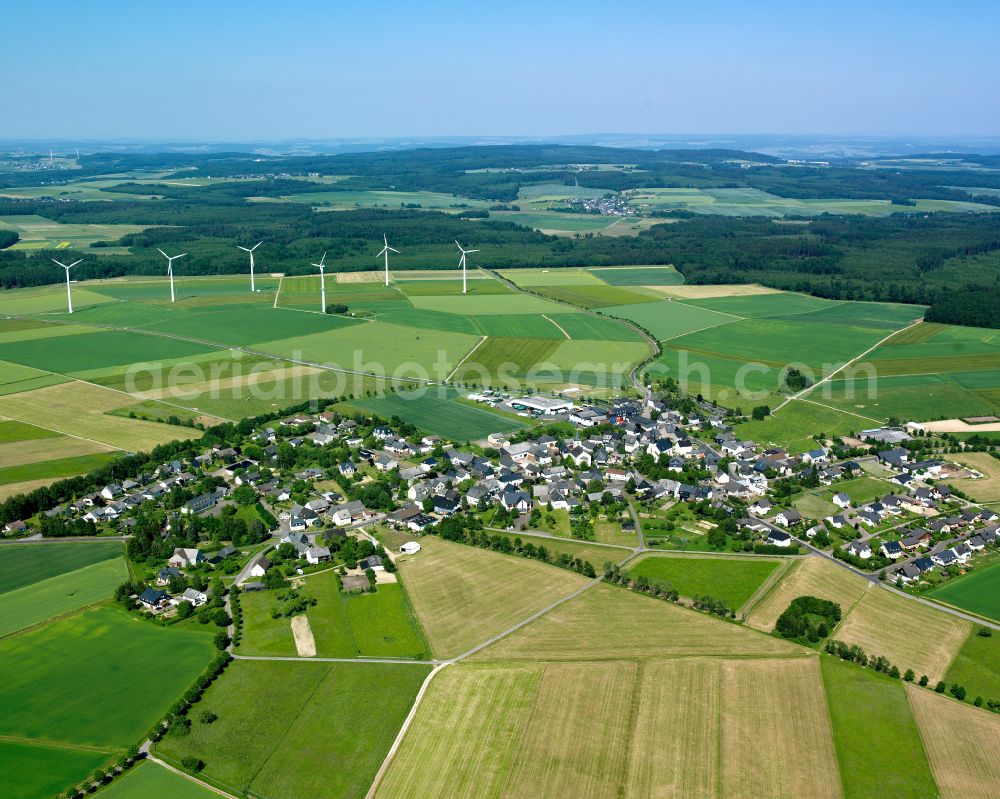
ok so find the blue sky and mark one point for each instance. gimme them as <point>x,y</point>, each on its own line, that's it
<point>243,71</point>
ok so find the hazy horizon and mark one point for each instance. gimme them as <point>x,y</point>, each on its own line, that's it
<point>230,71</point>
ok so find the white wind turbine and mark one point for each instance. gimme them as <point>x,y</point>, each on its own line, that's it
<point>69,293</point>
<point>385,251</point>
<point>170,269</point>
<point>250,250</point>
<point>461,263</point>
<point>322,283</point>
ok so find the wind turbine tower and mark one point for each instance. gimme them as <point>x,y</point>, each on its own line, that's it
<point>69,293</point>
<point>322,283</point>
<point>461,263</point>
<point>250,250</point>
<point>385,251</point>
<point>170,269</point>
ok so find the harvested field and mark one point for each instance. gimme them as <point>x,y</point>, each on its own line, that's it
<point>80,409</point>
<point>305,644</point>
<point>961,744</point>
<point>608,622</point>
<point>556,756</point>
<point>686,727</point>
<point>465,734</point>
<point>807,577</point>
<point>986,489</point>
<point>776,705</point>
<point>909,634</point>
<point>462,595</point>
<point>676,695</point>
<point>695,292</point>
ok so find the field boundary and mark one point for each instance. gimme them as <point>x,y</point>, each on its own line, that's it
<point>766,587</point>
<point>475,347</point>
<point>561,328</point>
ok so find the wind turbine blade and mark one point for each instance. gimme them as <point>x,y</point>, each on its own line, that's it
<point>74,263</point>
<point>60,264</point>
<point>163,253</point>
<point>184,253</point>
<point>255,246</point>
<point>459,246</point>
<point>385,239</point>
<point>468,251</point>
<point>238,247</point>
<point>393,250</point>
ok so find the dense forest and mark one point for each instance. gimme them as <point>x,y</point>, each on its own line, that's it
<point>978,308</point>
<point>942,259</point>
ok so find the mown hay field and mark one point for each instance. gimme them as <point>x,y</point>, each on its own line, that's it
<point>609,622</point>
<point>463,595</point>
<point>687,727</point>
<point>910,635</point>
<point>961,743</point>
<point>807,577</point>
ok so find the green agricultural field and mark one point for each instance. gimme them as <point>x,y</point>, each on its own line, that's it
<point>872,722</point>
<point>31,563</point>
<point>345,714</point>
<point>46,299</point>
<point>12,431</point>
<point>595,296</point>
<point>31,771</point>
<point>669,319</point>
<point>54,469</point>
<point>440,415</point>
<point>151,781</point>
<point>477,286</point>
<point>383,624</point>
<point>404,314</point>
<point>640,276</point>
<point>565,276</point>
<point>605,363</point>
<point>734,580</point>
<point>912,396</point>
<point>795,425</point>
<point>47,695</point>
<point>776,342</point>
<point>759,306</point>
<point>486,304</point>
<point>978,592</point>
<point>976,667</point>
<point>522,326</point>
<point>373,347</point>
<point>497,357</point>
<point>594,328</point>
<point>97,349</point>
<point>341,625</point>
<point>244,325</point>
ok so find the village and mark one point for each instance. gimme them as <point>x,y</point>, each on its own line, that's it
<point>290,494</point>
